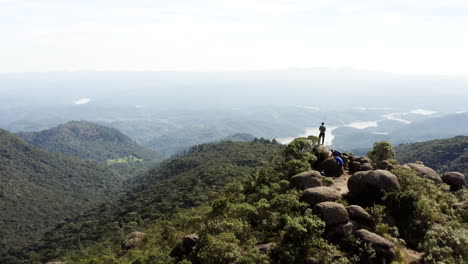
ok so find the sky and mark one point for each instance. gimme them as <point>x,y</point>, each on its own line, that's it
<point>398,36</point>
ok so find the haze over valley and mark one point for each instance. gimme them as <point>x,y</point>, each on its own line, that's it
<point>233,132</point>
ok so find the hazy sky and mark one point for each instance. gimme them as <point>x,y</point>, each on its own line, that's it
<point>402,36</point>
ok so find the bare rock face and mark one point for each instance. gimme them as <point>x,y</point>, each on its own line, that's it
<point>455,180</point>
<point>360,215</point>
<point>384,249</point>
<point>425,172</point>
<point>265,248</point>
<point>316,195</point>
<point>331,167</point>
<point>305,180</point>
<point>370,185</point>
<point>132,240</point>
<point>331,213</point>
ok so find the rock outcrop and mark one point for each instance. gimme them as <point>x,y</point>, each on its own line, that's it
<point>455,180</point>
<point>265,248</point>
<point>317,195</point>
<point>425,172</point>
<point>132,240</point>
<point>305,180</point>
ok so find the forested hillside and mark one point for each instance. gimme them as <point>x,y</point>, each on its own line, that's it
<point>442,154</point>
<point>39,189</point>
<point>286,212</point>
<point>90,141</point>
<point>184,181</point>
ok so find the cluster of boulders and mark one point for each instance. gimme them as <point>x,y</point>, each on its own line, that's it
<point>327,163</point>
<point>358,163</point>
<point>344,221</point>
<point>367,185</point>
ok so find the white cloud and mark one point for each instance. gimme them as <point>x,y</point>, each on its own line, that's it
<point>82,101</point>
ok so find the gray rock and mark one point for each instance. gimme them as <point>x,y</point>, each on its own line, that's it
<point>360,215</point>
<point>425,172</point>
<point>321,152</point>
<point>362,160</point>
<point>316,195</point>
<point>370,185</point>
<point>455,180</point>
<point>384,165</point>
<point>355,166</point>
<point>366,166</point>
<point>305,180</point>
<point>384,249</point>
<point>331,213</point>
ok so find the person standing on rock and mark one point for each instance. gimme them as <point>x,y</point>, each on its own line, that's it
<point>322,129</point>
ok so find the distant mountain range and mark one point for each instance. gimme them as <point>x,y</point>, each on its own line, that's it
<point>89,141</point>
<point>39,189</point>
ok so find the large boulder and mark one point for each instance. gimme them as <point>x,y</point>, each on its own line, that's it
<point>305,180</point>
<point>132,240</point>
<point>331,167</point>
<point>360,215</point>
<point>425,172</point>
<point>384,249</point>
<point>455,180</point>
<point>316,195</point>
<point>331,213</point>
<point>321,152</point>
<point>366,167</point>
<point>370,185</point>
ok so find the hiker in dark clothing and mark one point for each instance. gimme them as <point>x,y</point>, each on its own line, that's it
<point>322,129</point>
<point>338,157</point>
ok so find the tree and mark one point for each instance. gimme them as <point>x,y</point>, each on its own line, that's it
<point>382,150</point>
